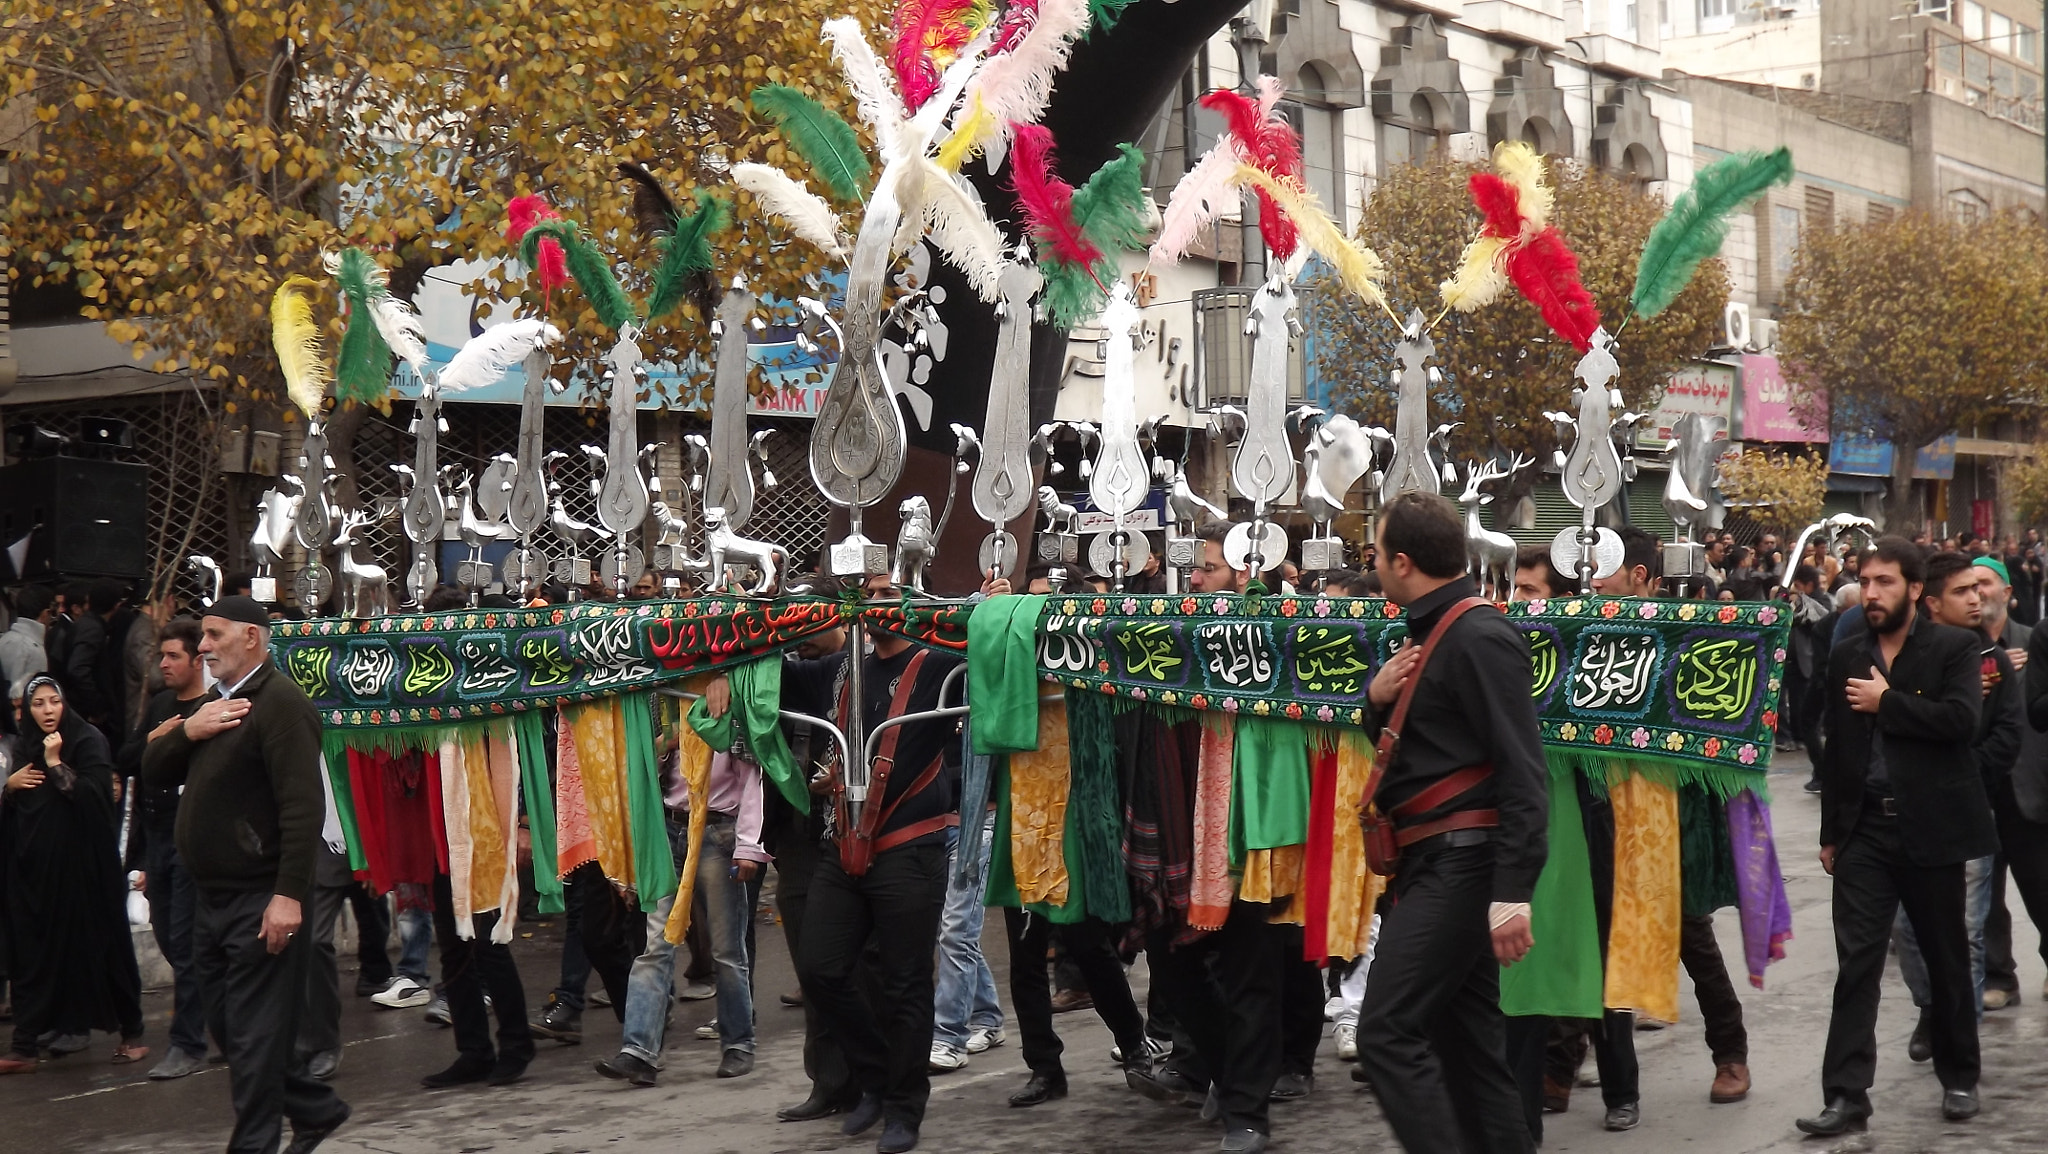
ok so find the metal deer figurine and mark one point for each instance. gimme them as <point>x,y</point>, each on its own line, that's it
<point>364,588</point>
<point>1492,553</point>
<point>1120,479</point>
<point>1263,470</point>
<point>1002,479</point>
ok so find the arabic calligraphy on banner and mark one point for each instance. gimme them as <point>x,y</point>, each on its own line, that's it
<point>1686,680</point>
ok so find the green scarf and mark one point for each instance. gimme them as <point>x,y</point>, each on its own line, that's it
<point>1705,856</point>
<point>1002,673</point>
<point>1269,786</point>
<point>654,863</point>
<point>756,715</point>
<point>1561,976</point>
<point>1095,808</point>
<point>531,735</point>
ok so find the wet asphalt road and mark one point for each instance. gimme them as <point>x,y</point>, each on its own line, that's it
<point>81,1103</point>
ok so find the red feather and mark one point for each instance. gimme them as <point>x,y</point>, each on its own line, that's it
<point>521,214</point>
<point>1277,228</point>
<point>1019,17</point>
<point>1046,200</point>
<point>1268,144</point>
<point>1547,272</point>
<point>921,26</point>
<point>1499,204</point>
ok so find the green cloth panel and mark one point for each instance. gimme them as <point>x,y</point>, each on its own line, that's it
<point>334,751</point>
<point>529,731</point>
<point>1269,786</point>
<point>1706,859</point>
<point>1561,976</point>
<point>1095,808</point>
<point>654,866</point>
<point>1002,673</point>
<point>757,711</point>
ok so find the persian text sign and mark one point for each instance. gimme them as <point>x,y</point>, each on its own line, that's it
<point>1686,680</point>
<point>1705,388</point>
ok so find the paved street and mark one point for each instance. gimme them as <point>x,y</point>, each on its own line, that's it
<point>82,1104</point>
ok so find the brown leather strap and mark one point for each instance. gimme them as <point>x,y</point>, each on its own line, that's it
<point>1390,737</point>
<point>1465,819</point>
<point>872,816</point>
<point>1443,789</point>
<point>915,830</point>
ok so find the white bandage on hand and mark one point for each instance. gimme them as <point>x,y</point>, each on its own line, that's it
<point>1501,913</point>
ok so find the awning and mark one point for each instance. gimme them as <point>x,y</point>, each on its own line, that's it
<point>1851,483</point>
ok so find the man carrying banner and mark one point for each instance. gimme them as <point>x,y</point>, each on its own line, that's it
<point>1460,777</point>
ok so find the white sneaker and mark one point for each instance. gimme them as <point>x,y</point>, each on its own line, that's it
<point>402,994</point>
<point>1347,1043</point>
<point>945,1059</point>
<point>982,1038</point>
<point>709,1030</point>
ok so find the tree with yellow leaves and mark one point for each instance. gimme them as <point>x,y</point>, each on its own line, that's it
<point>1784,491</point>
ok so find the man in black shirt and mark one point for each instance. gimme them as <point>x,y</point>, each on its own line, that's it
<point>1903,697</point>
<point>155,850</point>
<point>1431,1036</point>
<point>897,893</point>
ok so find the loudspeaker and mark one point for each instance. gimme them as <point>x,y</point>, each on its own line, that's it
<point>88,518</point>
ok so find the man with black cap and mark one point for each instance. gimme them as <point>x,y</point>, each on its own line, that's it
<point>249,831</point>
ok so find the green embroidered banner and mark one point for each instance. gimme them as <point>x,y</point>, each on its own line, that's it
<point>1687,681</point>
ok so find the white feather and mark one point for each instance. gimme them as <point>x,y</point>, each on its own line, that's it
<point>1202,195</point>
<point>906,182</point>
<point>491,354</point>
<point>792,202</point>
<point>873,92</point>
<point>1016,86</point>
<point>1271,92</point>
<point>960,228</point>
<point>400,327</point>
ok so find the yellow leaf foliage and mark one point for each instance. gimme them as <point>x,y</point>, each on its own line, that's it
<point>1783,491</point>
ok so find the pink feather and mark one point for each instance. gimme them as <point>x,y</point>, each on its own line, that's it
<point>921,26</point>
<point>1018,17</point>
<point>521,214</point>
<point>1046,200</point>
<point>1202,194</point>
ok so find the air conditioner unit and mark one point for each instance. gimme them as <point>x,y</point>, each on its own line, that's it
<point>1763,333</point>
<point>1735,325</point>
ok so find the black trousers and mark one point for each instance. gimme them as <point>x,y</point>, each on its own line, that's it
<point>796,861</point>
<point>1089,948</point>
<point>614,932</point>
<point>373,935</point>
<point>1430,1032</point>
<point>1872,880</point>
<point>897,903</point>
<point>575,974</point>
<point>2022,855</point>
<point>1302,998</point>
<point>253,1003</point>
<point>320,1022</point>
<point>1226,995</point>
<point>470,969</point>
<point>1720,1009</point>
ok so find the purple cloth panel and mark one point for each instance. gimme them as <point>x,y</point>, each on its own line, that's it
<point>1759,885</point>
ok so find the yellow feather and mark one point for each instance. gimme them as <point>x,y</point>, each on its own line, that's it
<point>1358,267</point>
<point>966,138</point>
<point>1479,280</point>
<point>1521,166</point>
<point>297,340</point>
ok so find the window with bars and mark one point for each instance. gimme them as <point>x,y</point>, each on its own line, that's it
<point>1875,213</point>
<point>1820,209</point>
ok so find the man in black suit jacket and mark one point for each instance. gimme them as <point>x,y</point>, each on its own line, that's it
<point>1903,697</point>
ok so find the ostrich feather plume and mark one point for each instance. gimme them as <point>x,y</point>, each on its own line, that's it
<point>1016,85</point>
<point>1202,194</point>
<point>685,269</point>
<point>1697,224</point>
<point>1360,269</point>
<point>491,354</point>
<point>825,141</point>
<point>1522,167</point>
<point>959,227</point>
<point>785,198</point>
<point>873,94</point>
<point>296,338</point>
<point>593,273</point>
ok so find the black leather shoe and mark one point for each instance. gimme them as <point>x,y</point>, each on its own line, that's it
<point>1359,1075</point>
<point>1921,1046</point>
<point>1625,1117</point>
<point>736,1064</point>
<point>466,1071</point>
<point>1139,1076</point>
<point>1243,1141</point>
<point>1212,1105</point>
<point>557,1021</point>
<point>863,1116</point>
<point>1174,1081</point>
<point>1841,1117</point>
<point>304,1138</point>
<point>507,1071</point>
<point>1291,1087</point>
<point>1957,1105</point>
<point>626,1068</point>
<point>323,1064</point>
<point>811,1109</point>
<point>1042,1088</point>
<point>896,1138</point>
<point>367,986</point>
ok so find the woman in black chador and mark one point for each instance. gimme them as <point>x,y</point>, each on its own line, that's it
<point>70,958</point>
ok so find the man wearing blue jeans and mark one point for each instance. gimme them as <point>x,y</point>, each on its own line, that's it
<point>729,869</point>
<point>967,1019</point>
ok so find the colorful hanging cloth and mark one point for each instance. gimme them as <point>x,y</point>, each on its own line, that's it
<point>693,758</point>
<point>1642,945</point>
<point>1760,885</point>
<point>1560,976</point>
<point>591,783</point>
<point>1002,673</point>
<point>654,863</point>
<point>530,730</point>
<point>1040,783</point>
<point>1095,806</point>
<point>1209,897</point>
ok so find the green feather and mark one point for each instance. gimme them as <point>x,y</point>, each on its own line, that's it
<point>686,255</point>
<point>1110,211</point>
<point>593,273</point>
<point>826,142</point>
<point>1694,228</point>
<point>1103,14</point>
<point>363,364</point>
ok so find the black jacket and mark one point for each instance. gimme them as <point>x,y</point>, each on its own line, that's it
<point>1928,717</point>
<point>249,820</point>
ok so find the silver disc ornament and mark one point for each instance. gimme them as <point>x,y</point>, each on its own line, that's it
<point>636,561</point>
<point>524,567</point>
<point>1607,552</point>
<point>313,586</point>
<point>1102,552</point>
<point>999,552</point>
<point>1237,547</point>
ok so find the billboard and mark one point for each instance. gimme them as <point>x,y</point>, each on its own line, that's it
<point>1770,408</point>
